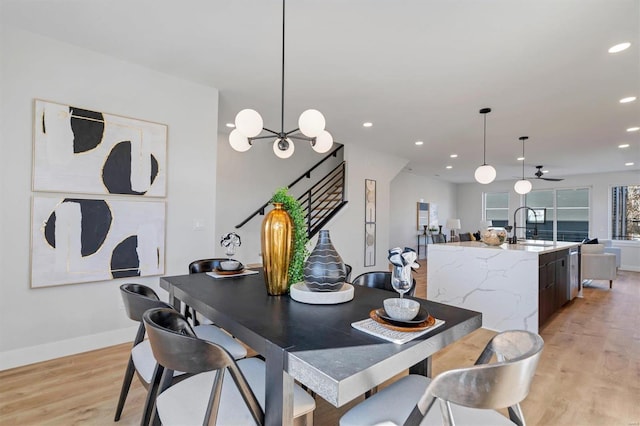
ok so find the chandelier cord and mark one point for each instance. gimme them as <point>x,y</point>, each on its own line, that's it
<point>282,81</point>
<point>484,154</point>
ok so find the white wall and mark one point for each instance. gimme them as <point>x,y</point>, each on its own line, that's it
<point>407,189</point>
<point>45,323</point>
<point>470,205</point>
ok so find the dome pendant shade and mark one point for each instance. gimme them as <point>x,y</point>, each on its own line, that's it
<point>283,148</point>
<point>324,142</point>
<point>311,123</point>
<point>522,187</point>
<point>249,122</point>
<point>485,174</point>
<point>238,141</point>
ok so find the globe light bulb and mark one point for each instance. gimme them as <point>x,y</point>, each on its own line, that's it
<point>324,142</point>
<point>485,174</point>
<point>288,146</point>
<point>249,122</point>
<point>238,141</point>
<point>311,123</point>
<point>522,186</point>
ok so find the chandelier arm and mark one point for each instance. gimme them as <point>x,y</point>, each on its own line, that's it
<point>271,131</point>
<point>260,137</point>
<point>302,138</point>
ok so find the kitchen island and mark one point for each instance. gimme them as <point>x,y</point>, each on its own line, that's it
<point>515,286</point>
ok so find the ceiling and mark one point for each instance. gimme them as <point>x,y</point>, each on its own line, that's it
<point>416,69</point>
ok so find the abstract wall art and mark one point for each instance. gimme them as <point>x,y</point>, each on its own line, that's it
<point>369,222</point>
<point>82,151</point>
<point>80,239</point>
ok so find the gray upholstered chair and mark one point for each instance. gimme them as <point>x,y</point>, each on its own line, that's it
<point>438,238</point>
<point>138,298</point>
<point>467,395</point>
<point>596,264</point>
<point>220,391</point>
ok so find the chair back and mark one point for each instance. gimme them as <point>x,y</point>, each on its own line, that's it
<point>438,239</point>
<point>592,248</point>
<point>138,298</point>
<point>381,280</point>
<point>206,265</point>
<point>465,236</point>
<point>498,385</point>
<point>177,348</point>
<point>347,277</point>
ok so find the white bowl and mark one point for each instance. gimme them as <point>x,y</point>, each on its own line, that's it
<point>401,309</point>
<point>229,265</point>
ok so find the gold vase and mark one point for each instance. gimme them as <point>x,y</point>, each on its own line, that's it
<point>277,249</point>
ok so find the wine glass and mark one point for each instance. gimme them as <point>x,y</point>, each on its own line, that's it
<point>401,279</point>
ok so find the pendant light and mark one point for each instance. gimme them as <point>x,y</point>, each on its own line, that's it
<point>522,186</point>
<point>485,173</point>
<point>249,125</point>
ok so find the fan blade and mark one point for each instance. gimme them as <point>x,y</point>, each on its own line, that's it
<point>551,179</point>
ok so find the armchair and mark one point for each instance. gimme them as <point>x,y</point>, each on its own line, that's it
<point>609,248</point>
<point>596,264</point>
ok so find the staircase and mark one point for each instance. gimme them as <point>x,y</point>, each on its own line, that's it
<point>322,201</point>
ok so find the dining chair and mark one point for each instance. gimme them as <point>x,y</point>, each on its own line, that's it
<point>438,238</point>
<point>138,298</point>
<point>469,395</point>
<point>197,267</point>
<point>347,277</point>
<point>380,279</point>
<point>221,391</point>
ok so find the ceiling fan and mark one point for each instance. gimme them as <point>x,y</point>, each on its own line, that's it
<point>539,174</point>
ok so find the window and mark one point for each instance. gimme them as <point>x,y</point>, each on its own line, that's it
<point>567,214</point>
<point>496,208</point>
<point>625,212</point>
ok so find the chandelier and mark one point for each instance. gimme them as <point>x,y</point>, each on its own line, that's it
<point>249,126</point>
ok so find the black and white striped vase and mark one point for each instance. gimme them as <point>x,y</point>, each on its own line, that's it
<point>324,269</point>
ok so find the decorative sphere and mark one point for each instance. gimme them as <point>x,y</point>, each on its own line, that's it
<point>238,141</point>
<point>311,123</point>
<point>249,122</point>
<point>522,186</point>
<point>485,174</point>
<point>324,142</point>
<point>287,152</point>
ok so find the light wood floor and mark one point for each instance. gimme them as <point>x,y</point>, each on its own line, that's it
<point>589,373</point>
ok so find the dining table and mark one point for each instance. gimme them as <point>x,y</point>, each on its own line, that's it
<point>314,344</point>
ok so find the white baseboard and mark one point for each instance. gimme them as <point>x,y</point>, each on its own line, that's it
<point>632,268</point>
<point>48,351</point>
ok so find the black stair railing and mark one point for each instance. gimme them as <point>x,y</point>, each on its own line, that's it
<point>313,196</point>
<point>324,199</point>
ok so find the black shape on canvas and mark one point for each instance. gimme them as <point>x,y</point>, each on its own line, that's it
<point>124,259</point>
<point>116,172</point>
<point>95,223</point>
<point>87,127</point>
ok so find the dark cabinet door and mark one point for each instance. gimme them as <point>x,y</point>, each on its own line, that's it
<point>562,281</point>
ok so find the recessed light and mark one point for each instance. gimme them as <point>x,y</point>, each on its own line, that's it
<point>231,125</point>
<point>454,156</point>
<point>633,129</point>
<point>449,167</point>
<point>545,171</point>
<point>520,158</point>
<point>628,99</point>
<point>624,145</point>
<point>628,164</point>
<point>419,143</point>
<point>619,47</point>
<point>367,124</point>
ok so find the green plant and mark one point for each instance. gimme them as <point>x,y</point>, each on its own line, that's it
<point>300,238</point>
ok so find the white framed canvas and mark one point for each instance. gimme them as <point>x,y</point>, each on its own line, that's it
<point>82,151</point>
<point>78,240</point>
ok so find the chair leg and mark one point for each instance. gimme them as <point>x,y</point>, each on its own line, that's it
<point>126,384</point>
<point>610,283</point>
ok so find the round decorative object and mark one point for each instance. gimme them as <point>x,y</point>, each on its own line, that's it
<point>522,187</point>
<point>300,293</point>
<point>249,123</point>
<point>485,174</point>
<point>277,248</point>
<point>493,236</point>
<point>324,269</point>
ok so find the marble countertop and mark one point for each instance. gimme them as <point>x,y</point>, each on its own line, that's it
<point>532,246</point>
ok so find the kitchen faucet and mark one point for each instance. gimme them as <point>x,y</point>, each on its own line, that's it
<point>514,239</point>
